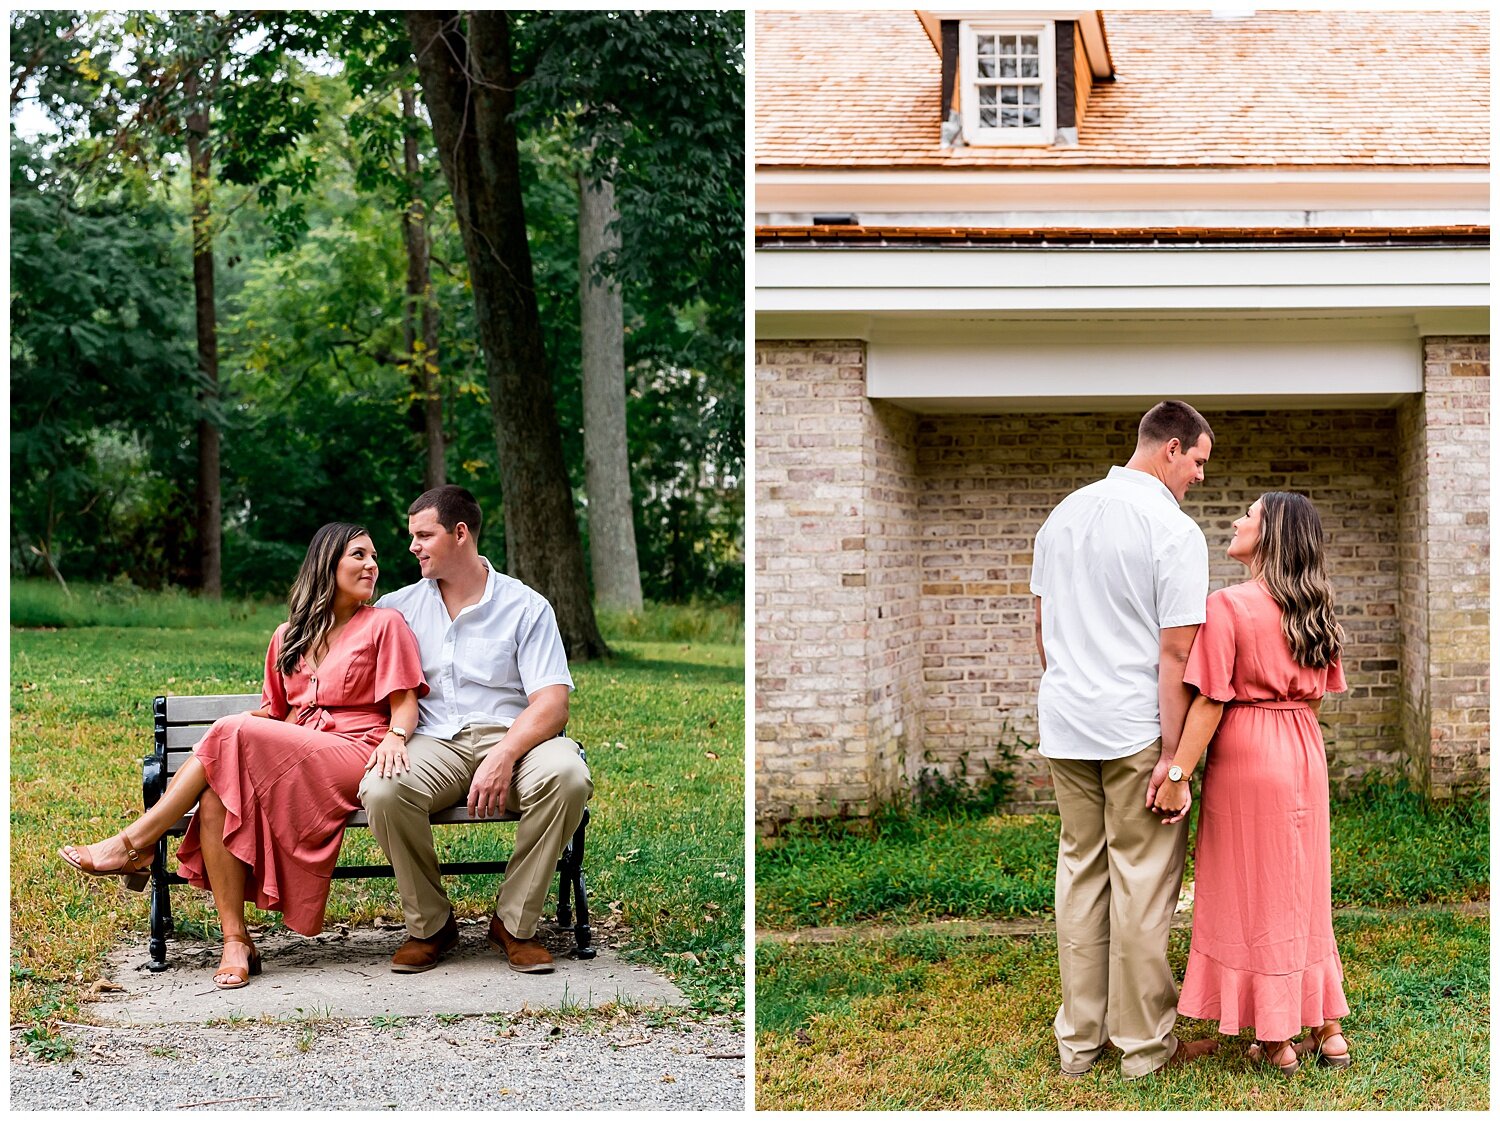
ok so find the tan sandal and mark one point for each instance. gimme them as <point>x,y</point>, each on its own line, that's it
<point>238,978</point>
<point>134,873</point>
<point>1262,1054</point>
<point>1318,1039</point>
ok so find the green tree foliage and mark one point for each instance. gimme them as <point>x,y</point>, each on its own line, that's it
<point>102,376</point>
<point>310,268</point>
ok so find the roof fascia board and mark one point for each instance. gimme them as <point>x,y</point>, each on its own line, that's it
<point>1318,325</point>
<point>927,281</point>
<point>890,192</point>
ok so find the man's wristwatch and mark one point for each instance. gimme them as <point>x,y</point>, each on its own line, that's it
<point>399,733</point>
<point>1174,774</point>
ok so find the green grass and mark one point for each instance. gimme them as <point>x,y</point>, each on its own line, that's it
<point>662,722</point>
<point>928,1021</point>
<point>39,603</point>
<point>933,1020</point>
<point>722,624</point>
<point>1389,846</point>
<point>905,867</point>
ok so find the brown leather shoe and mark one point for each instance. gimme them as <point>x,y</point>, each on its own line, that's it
<point>526,955</point>
<point>418,955</point>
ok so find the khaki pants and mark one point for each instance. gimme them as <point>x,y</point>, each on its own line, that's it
<point>1119,872</point>
<point>549,789</point>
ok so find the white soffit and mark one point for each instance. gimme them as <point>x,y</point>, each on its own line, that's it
<point>970,365</point>
<point>1161,278</point>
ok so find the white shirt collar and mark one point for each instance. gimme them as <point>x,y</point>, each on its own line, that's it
<point>1143,479</point>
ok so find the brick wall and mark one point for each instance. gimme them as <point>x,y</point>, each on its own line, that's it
<point>1453,514</point>
<point>835,589</point>
<point>1412,543</point>
<point>891,544</point>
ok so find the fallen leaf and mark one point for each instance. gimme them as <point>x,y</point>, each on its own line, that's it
<point>668,1078</point>
<point>711,754</point>
<point>103,986</point>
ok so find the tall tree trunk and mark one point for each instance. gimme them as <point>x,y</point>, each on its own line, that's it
<point>209,505</point>
<point>469,88</point>
<point>420,318</point>
<point>606,451</point>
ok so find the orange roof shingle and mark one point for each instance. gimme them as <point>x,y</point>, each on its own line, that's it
<point>1304,88</point>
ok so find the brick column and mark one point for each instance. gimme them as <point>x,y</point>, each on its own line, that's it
<point>835,585</point>
<point>1444,569</point>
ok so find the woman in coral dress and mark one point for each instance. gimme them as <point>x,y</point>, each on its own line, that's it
<point>1263,952</point>
<point>275,786</point>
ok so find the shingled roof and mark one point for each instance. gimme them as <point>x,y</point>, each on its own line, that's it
<point>1310,89</point>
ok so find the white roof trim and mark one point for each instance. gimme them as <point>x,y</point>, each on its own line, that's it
<point>966,190</point>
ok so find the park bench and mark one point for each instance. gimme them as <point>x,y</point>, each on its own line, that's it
<point>180,723</point>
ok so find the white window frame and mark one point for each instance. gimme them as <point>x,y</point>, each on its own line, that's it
<point>968,64</point>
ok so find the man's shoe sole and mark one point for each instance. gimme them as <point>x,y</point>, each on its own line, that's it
<point>424,968</point>
<point>416,968</point>
<point>539,967</point>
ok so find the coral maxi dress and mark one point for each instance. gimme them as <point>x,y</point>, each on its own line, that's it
<point>289,783</point>
<point>1263,953</point>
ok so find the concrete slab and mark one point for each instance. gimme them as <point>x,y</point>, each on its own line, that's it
<point>345,973</point>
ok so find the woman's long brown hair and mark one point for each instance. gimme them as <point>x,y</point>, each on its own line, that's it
<point>310,604</point>
<point>1290,555</point>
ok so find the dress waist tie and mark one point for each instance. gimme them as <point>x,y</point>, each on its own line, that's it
<point>1275,706</point>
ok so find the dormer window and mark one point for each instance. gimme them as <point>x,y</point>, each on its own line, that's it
<point>1009,93</point>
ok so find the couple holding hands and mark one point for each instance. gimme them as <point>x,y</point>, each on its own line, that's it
<point>1144,676</point>
<point>455,686</point>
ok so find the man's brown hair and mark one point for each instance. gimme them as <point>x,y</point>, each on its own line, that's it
<point>1174,420</point>
<point>452,504</point>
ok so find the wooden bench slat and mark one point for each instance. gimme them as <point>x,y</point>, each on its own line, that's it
<point>205,710</point>
<point>186,737</point>
<point>359,819</point>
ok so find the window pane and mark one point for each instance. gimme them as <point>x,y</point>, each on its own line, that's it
<point>986,67</point>
<point>987,118</point>
<point>1007,46</point>
<point>1031,95</point>
<point>1030,45</point>
<point>1010,118</point>
<point>1033,118</point>
<point>986,44</point>
<point>1031,68</point>
<point>1009,95</point>
<point>986,95</point>
<point>1007,68</point>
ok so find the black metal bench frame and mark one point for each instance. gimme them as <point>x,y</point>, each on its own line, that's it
<point>177,732</point>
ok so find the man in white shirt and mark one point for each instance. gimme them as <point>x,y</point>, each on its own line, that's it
<point>490,728</point>
<point>1121,578</point>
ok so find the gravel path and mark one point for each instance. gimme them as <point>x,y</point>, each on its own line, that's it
<point>640,1060</point>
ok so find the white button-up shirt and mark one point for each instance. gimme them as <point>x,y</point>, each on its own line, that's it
<point>1116,563</point>
<point>483,665</point>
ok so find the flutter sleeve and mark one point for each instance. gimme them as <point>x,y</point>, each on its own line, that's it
<point>1210,667</point>
<point>1336,682</point>
<point>398,659</point>
<point>273,689</point>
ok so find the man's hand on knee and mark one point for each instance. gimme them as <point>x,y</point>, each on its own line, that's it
<point>491,785</point>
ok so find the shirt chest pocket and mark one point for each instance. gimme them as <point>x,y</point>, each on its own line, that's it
<point>487,661</point>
